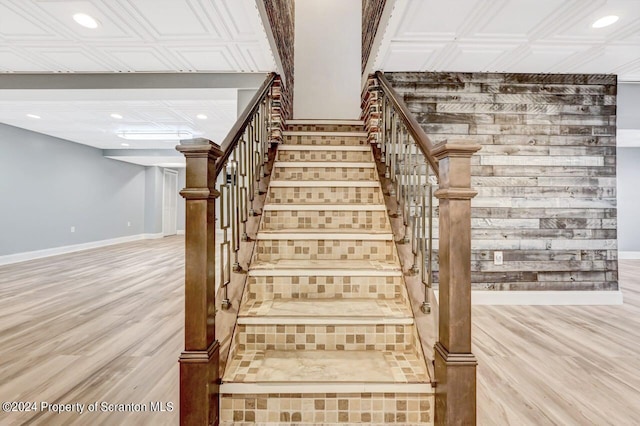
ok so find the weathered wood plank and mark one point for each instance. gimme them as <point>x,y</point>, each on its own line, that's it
<point>507,212</point>
<point>545,177</point>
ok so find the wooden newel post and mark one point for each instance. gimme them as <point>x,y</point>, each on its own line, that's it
<point>455,365</point>
<point>199,361</point>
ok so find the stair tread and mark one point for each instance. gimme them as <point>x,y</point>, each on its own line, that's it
<point>348,134</point>
<point>327,308</point>
<point>326,234</point>
<point>309,147</point>
<point>325,183</point>
<point>329,265</point>
<point>326,366</point>
<point>327,121</point>
<point>326,164</point>
<point>323,207</point>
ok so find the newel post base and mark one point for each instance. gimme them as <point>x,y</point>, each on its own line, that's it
<point>455,365</point>
<point>199,387</point>
<point>199,372</point>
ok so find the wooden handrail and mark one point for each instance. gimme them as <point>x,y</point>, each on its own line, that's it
<point>231,140</point>
<point>419,136</point>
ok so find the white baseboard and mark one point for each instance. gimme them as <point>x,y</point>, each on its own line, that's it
<point>152,236</point>
<point>629,255</point>
<point>542,298</point>
<point>39,254</point>
<point>180,231</point>
<point>480,297</point>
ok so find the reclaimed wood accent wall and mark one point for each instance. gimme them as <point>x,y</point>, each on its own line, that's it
<point>546,175</point>
<point>371,14</point>
<point>281,15</point>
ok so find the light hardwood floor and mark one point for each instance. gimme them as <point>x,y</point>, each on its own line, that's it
<point>106,325</point>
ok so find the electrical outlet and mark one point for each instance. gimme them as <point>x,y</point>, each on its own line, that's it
<point>128,223</point>
<point>497,258</point>
<point>73,229</point>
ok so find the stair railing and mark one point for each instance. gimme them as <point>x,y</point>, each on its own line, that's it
<point>233,173</point>
<point>414,168</point>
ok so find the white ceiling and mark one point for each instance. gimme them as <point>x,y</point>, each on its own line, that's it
<point>512,36</point>
<point>133,36</point>
<point>84,116</point>
<point>40,36</point>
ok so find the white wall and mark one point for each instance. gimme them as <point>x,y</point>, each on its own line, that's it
<point>48,185</point>
<point>327,55</point>
<point>628,199</point>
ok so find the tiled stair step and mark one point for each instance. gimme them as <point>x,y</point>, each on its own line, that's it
<point>325,285</point>
<point>324,153</point>
<point>324,138</point>
<point>268,309</point>
<point>325,192</point>
<point>277,245</point>
<point>325,216</point>
<point>332,334</point>
<point>326,366</point>
<point>324,170</point>
<point>325,125</point>
<point>326,403</point>
<point>320,267</point>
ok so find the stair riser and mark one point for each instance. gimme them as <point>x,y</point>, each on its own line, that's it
<point>324,173</point>
<point>322,408</point>
<point>287,219</point>
<point>324,128</point>
<point>322,195</point>
<point>321,287</point>
<point>324,140</point>
<point>271,250</point>
<point>346,156</point>
<point>259,337</point>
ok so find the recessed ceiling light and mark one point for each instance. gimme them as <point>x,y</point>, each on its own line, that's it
<point>33,116</point>
<point>86,20</point>
<point>155,136</point>
<point>116,116</point>
<point>201,116</point>
<point>605,21</point>
<point>124,144</point>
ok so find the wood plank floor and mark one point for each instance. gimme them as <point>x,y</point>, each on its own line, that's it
<point>106,325</point>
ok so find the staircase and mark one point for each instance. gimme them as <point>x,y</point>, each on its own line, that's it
<point>325,331</point>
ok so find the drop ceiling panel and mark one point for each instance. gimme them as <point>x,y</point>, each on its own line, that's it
<point>479,57</point>
<point>71,60</point>
<point>60,15</point>
<point>14,24</point>
<point>433,17</point>
<point>207,59</point>
<point>512,36</point>
<point>541,59</point>
<point>170,18</point>
<point>10,61</point>
<point>133,35</point>
<point>508,22</point>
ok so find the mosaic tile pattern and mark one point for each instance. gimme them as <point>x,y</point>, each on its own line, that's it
<point>323,287</point>
<point>405,367</point>
<point>324,128</point>
<point>383,307</point>
<point>381,337</point>
<point>325,219</point>
<point>350,408</point>
<point>262,351</point>
<point>322,195</point>
<point>324,140</point>
<point>302,155</point>
<point>266,250</point>
<point>324,173</point>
